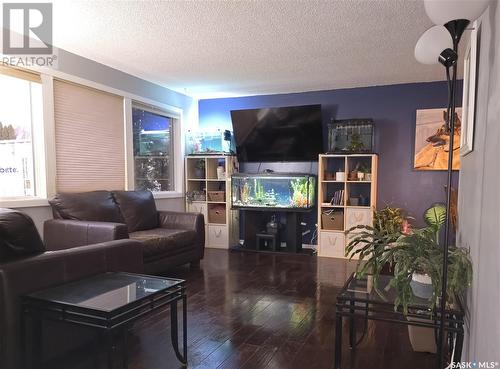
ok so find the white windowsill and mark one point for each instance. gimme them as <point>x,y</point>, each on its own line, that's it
<point>168,195</point>
<point>24,203</point>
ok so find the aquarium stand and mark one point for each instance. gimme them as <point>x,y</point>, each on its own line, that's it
<point>255,222</point>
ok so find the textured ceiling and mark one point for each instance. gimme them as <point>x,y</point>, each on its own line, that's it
<point>232,48</point>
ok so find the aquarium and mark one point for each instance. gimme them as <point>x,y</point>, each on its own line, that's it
<point>215,141</point>
<point>350,136</point>
<point>293,191</point>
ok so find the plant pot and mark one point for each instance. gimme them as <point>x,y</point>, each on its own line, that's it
<point>353,175</point>
<point>368,176</point>
<point>199,173</point>
<point>361,176</point>
<point>422,339</point>
<point>421,285</point>
<point>340,176</point>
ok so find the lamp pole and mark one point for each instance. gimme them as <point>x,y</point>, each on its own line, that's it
<point>456,29</point>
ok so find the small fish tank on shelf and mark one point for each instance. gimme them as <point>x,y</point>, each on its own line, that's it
<point>273,191</point>
<point>210,142</point>
<point>351,136</point>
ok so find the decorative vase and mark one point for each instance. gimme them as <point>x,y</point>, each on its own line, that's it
<point>421,285</point>
<point>220,172</point>
<point>368,176</point>
<point>199,173</point>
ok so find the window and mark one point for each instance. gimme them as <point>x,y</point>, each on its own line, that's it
<point>153,149</point>
<point>21,118</point>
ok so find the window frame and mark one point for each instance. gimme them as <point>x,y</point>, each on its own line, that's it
<point>176,143</point>
<point>43,146</point>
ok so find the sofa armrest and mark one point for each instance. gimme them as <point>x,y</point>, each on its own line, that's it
<point>27,275</point>
<point>62,234</point>
<point>179,220</point>
<point>187,221</point>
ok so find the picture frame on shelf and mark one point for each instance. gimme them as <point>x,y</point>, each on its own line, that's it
<point>469,91</point>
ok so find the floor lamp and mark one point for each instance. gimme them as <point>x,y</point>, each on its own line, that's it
<point>439,44</point>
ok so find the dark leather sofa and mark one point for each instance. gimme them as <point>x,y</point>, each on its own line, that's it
<point>168,238</point>
<point>26,266</point>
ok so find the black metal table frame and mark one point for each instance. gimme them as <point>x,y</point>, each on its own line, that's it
<point>109,323</point>
<point>353,308</point>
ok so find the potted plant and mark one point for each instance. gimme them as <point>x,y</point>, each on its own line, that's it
<point>371,241</point>
<point>199,168</point>
<point>417,259</point>
<point>366,175</point>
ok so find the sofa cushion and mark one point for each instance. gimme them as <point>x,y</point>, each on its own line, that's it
<point>161,241</point>
<point>92,206</point>
<point>18,235</point>
<point>138,209</point>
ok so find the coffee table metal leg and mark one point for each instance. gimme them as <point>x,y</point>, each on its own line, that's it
<point>338,341</point>
<point>124,347</point>
<point>35,347</point>
<point>174,331</point>
<point>352,327</point>
<point>184,327</point>
<point>110,349</point>
<point>458,345</point>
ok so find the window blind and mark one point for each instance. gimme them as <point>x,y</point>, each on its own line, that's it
<point>89,133</point>
<point>18,73</point>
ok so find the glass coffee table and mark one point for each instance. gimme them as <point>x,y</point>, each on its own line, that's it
<point>108,302</point>
<point>360,299</point>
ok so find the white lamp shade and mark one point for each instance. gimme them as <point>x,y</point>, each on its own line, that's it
<point>443,11</point>
<point>431,44</point>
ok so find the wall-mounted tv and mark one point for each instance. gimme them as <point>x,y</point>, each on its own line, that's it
<point>293,133</point>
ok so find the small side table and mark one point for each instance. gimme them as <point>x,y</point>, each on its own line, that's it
<point>267,239</point>
<point>360,299</point>
<point>108,302</point>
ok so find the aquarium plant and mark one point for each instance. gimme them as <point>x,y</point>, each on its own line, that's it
<point>302,192</point>
<point>258,189</point>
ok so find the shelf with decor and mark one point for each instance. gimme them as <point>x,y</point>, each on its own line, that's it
<point>347,193</point>
<point>208,180</point>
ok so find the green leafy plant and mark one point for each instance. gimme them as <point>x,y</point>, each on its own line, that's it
<point>258,190</point>
<point>356,143</point>
<point>302,192</point>
<point>200,164</point>
<point>371,242</point>
<point>419,251</point>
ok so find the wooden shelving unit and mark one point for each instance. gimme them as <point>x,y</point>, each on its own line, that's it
<point>221,223</point>
<point>335,217</point>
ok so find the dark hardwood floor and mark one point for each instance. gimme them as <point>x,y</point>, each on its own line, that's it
<point>262,311</point>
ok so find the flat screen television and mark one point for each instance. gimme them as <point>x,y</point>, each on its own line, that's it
<point>293,133</point>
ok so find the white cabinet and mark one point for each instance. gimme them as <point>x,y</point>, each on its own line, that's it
<point>198,207</point>
<point>217,236</point>
<point>331,244</point>
<point>355,217</point>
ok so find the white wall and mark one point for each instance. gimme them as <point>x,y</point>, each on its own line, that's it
<point>479,201</point>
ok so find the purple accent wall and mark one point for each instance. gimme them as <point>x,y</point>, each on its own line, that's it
<point>393,108</point>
